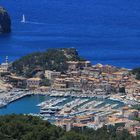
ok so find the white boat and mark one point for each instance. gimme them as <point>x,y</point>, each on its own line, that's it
<point>97,104</point>
<point>23,19</point>
<point>114,105</point>
<point>114,99</point>
<point>3,104</point>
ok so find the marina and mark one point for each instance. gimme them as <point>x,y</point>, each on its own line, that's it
<point>54,107</point>
<point>61,110</point>
<point>68,107</point>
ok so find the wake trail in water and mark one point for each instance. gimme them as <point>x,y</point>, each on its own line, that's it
<point>36,23</point>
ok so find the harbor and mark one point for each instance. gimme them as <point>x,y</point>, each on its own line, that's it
<point>65,110</point>
<point>15,94</point>
<point>25,105</point>
<point>56,106</point>
<point>68,107</point>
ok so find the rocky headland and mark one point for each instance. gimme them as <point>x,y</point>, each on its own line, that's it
<point>5,21</point>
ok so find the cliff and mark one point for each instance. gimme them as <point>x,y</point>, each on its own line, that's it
<point>5,21</point>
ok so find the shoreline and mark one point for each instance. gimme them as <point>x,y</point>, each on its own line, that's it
<point>23,93</point>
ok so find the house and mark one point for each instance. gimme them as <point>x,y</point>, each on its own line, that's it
<point>137,129</point>
<point>83,64</point>
<point>51,75</point>
<point>59,84</point>
<point>74,73</point>
<point>106,68</point>
<point>118,74</point>
<point>75,65</point>
<point>91,72</point>
<point>129,113</point>
<point>33,82</point>
<point>18,82</point>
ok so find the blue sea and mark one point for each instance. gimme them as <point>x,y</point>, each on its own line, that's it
<point>103,31</point>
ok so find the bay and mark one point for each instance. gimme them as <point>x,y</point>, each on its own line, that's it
<point>102,31</point>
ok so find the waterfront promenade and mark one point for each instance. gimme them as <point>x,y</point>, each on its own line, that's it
<point>7,97</point>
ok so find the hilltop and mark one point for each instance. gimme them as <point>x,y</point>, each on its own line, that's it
<point>5,21</point>
<point>52,59</point>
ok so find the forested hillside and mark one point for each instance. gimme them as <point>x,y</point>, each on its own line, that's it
<point>52,59</point>
<point>19,127</point>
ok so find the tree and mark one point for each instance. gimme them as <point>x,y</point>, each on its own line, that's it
<point>52,59</point>
<point>23,127</point>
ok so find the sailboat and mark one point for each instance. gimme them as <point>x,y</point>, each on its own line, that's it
<point>23,19</point>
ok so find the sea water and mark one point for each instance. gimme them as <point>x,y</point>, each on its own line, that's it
<point>103,31</point>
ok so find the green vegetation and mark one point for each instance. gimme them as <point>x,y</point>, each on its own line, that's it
<point>46,82</point>
<point>19,127</point>
<point>137,107</point>
<point>2,10</point>
<point>53,59</point>
<point>137,119</point>
<point>122,89</point>
<point>136,72</point>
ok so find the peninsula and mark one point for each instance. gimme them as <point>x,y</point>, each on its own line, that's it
<point>80,94</point>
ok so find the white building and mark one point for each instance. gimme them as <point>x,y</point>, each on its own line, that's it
<point>4,66</point>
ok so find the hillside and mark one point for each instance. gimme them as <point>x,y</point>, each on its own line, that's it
<point>136,72</point>
<point>5,21</point>
<point>19,127</point>
<point>52,59</point>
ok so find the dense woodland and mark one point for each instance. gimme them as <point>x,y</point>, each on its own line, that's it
<point>19,127</point>
<point>136,72</point>
<point>52,59</point>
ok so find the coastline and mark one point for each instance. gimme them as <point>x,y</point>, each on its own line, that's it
<point>64,94</point>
